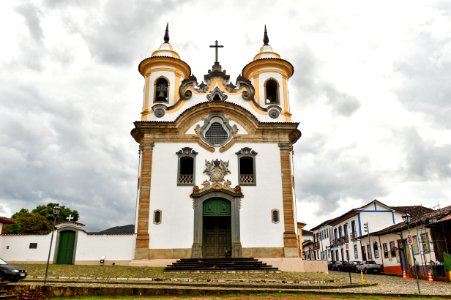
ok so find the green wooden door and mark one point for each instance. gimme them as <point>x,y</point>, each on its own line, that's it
<point>216,208</point>
<point>66,247</point>
<point>216,231</point>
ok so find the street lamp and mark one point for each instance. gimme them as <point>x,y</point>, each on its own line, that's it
<point>407,218</point>
<point>56,212</point>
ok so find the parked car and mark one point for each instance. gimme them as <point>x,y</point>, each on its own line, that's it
<point>337,265</point>
<point>330,264</point>
<point>11,273</point>
<point>351,266</point>
<point>368,266</point>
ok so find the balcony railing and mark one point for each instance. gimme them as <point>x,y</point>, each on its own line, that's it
<point>186,179</point>
<point>247,179</point>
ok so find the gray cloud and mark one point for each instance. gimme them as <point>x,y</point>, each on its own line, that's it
<point>311,88</point>
<point>326,175</point>
<point>424,160</point>
<point>32,19</point>
<point>426,74</point>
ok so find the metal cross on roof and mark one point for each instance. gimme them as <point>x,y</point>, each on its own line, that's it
<point>70,218</point>
<point>216,46</point>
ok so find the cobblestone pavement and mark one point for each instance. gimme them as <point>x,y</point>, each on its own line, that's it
<point>396,285</point>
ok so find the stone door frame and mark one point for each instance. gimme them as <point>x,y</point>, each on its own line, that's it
<point>235,203</point>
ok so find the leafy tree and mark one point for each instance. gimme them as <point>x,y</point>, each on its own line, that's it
<point>39,220</point>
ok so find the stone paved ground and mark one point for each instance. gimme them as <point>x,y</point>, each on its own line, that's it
<point>397,285</point>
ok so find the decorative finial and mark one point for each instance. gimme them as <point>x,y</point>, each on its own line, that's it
<point>166,34</point>
<point>265,38</point>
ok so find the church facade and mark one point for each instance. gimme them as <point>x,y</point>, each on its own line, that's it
<point>216,159</point>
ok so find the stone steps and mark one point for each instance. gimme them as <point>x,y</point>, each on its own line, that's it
<point>219,264</point>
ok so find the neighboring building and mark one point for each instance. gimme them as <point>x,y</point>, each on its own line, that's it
<point>216,173</point>
<point>3,221</point>
<point>322,241</point>
<point>338,238</point>
<point>429,236</point>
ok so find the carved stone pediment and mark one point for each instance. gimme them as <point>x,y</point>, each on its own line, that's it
<point>216,95</point>
<point>217,170</point>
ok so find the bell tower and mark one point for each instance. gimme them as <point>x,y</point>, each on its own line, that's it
<point>269,74</point>
<point>163,72</point>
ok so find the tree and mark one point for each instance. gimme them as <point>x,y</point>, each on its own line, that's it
<point>39,220</point>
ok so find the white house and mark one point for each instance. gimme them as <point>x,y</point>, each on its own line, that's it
<point>339,239</point>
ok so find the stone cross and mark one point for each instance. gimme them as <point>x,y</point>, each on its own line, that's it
<point>216,46</point>
<point>70,218</point>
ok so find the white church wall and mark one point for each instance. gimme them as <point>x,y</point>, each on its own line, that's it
<point>17,248</point>
<point>177,225</point>
<point>91,247</point>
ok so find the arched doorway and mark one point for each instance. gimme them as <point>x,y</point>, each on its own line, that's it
<point>216,233</point>
<point>219,209</point>
<point>66,243</point>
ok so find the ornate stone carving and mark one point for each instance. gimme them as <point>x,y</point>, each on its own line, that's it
<point>216,170</point>
<point>216,95</point>
<point>246,151</point>
<point>189,84</point>
<point>242,82</point>
<point>186,151</point>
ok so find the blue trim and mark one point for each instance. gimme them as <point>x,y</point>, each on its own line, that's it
<point>360,225</point>
<point>367,210</point>
<point>393,217</point>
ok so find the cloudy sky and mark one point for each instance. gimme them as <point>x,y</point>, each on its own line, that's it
<point>371,90</point>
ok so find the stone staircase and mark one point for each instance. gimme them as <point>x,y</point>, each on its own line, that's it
<point>4,293</point>
<point>243,264</point>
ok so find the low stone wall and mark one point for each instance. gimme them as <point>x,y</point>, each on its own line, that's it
<point>287,264</point>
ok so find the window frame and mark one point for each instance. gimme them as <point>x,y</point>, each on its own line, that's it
<point>272,216</point>
<point>247,152</point>
<point>155,212</point>
<point>183,153</point>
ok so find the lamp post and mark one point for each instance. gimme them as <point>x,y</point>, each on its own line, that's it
<point>56,212</point>
<point>407,218</point>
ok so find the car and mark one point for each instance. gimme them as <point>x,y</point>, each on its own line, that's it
<point>330,264</point>
<point>11,273</point>
<point>369,266</point>
<point>351,266</point>
<point>337,265</point>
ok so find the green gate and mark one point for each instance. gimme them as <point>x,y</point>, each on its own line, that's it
<point>66,247</point>
<point>216,208</point>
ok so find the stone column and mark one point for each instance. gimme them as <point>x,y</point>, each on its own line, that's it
<point>142,225</point>
<point>198,226</point>
<point>235,224</point>
<point>289,235</point>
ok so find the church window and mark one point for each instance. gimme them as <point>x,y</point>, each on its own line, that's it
<point>271,92</point>
<point>33,245</point>
<point>186,166</point>
<point>216,134</point>
<point>216,130</point>
<point>161,90</point>
<point>275,216</point>
<point>246,166</point>
<point>157,216</point>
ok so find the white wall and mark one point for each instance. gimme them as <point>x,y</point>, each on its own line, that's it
<point>176,228</point>
<point>17,247</point>
<point>114,247</point>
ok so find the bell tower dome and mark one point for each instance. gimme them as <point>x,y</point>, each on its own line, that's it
<point>269,75</point>
<point>163,72</point>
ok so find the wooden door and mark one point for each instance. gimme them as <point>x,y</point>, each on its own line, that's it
<point>216,239</point>
<point>66,247</point>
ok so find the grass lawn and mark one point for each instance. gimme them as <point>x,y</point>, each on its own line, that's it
<point>114,272</point>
